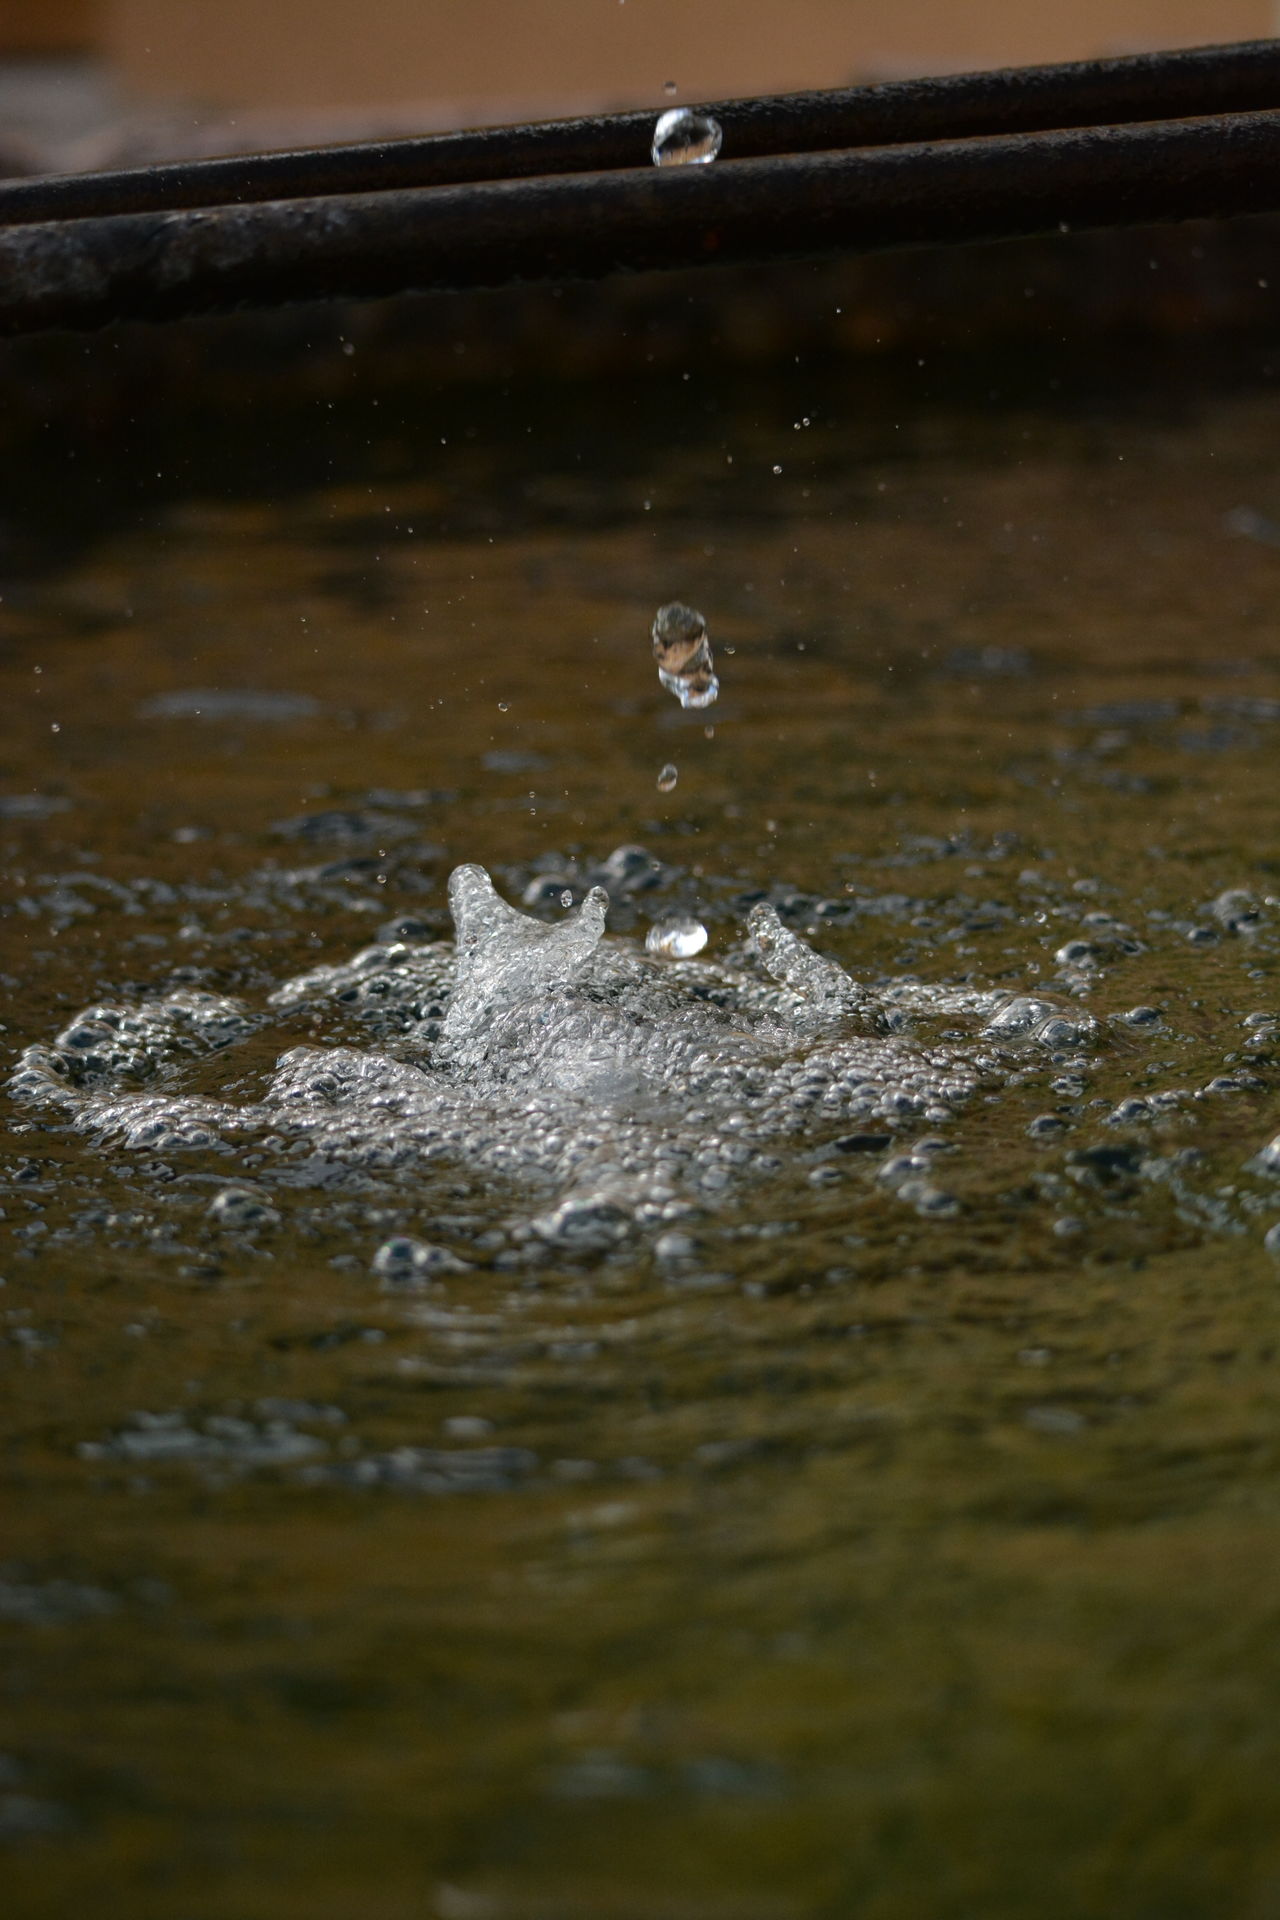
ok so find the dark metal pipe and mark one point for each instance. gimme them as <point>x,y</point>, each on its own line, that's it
<point>1160,86</point>
<point>85,273</point>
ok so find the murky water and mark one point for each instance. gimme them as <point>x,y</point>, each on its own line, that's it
<point>778,1427</point>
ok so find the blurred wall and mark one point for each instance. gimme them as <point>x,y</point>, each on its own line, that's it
<point>50,26</point>
<point>325,53</point>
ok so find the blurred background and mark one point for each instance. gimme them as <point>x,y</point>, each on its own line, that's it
<point>91,82</point>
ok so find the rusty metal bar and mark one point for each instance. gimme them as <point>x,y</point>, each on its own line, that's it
<point>1148,87</point>
<point>85,273</point>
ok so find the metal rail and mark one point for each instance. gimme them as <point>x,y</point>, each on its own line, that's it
<point>85,273</point>
<point>1161,86</point>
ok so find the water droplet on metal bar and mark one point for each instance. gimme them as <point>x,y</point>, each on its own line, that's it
<point>683,138</point>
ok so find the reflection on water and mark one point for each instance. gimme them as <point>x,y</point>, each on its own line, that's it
<point>751,1398</point>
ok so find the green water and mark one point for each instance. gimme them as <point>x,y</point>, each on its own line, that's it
<point>902,1567</point>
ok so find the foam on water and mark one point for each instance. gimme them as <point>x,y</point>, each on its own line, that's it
<point>620,1087</point>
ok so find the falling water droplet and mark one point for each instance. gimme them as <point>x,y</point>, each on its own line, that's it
<point>667,778</point>
<point>669,86</point>
<point>678,938</point>
<point>683,654</point>
<point>566,898</point>
<point>504,706</point>
<point>685,139</point>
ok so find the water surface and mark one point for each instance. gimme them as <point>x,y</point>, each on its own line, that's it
<point>850,1553</point>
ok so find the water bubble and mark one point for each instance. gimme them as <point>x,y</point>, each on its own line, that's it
<point>466,1426</point>
<point>668,777</point>
<point>683,138</point>
<point>683,653</point>
<point>1236,910</point>
<point>677,938</point>
<point>401,1261</point>
<point>1024,1017</point>
<point>1132,1110</point>
<point>1267,1159</point>
<point>586,1223</point>
<point>241,1208</point>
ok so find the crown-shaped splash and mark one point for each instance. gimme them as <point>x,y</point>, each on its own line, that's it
<point>505,956</point>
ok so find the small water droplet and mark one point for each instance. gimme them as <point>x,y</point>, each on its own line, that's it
<point>777,469</point>
<point>676,939</point>
<point>667,778</point>
<point>683,138</point>
<point>669,86</point>
<point>504,706</point>
<point>566,898</point>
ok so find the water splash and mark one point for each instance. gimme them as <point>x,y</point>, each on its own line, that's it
<point>683,653</point>
<point>503,955</point>
<point>820,982</point>
<point>683,138</point>
<point>619,1087</point>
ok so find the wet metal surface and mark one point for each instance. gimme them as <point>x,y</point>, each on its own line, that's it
<point>88,273</point>
<point>834,1547</point>
<point>1244,78</point>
